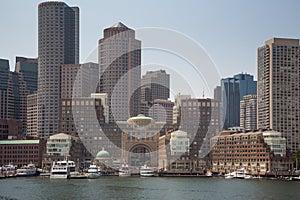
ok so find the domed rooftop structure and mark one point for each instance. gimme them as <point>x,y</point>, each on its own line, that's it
<point>102,154</point>
<point>140,120</point>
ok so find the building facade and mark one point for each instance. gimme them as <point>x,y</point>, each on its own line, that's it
<point>10,129</point>
<point>258,152</point>
<point>278,91</point>
<point>79,80</point>
<point>62,146</point>
<point>233,90</point>
<point>162,111</point>
<point>155,85</point>
<point>58,43</point>
<point>248,112</point>
<point>177,107</point>
<point>21,152</point>
<point>200,118</point>
<point>140,136</point>
<point>120,71</point>
<point>32,115</point>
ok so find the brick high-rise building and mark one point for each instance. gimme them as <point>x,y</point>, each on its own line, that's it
<point>58,43</point>
<point>278,82</point>
<point>120,71</point>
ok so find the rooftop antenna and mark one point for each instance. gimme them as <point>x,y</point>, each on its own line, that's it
<point>203,93</point>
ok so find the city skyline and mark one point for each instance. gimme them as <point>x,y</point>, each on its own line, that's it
<point>201,26</point>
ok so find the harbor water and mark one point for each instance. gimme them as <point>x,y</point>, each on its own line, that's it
<point>174,188</point>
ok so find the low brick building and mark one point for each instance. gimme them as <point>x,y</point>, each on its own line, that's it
<point>257,152</point>
<point>21,152</point>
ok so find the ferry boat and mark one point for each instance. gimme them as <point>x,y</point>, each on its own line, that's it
<point>146,171</point>
<point>124,170</point>
<point>93,172</point>
<point>60,170</point>
<point>27,170</point>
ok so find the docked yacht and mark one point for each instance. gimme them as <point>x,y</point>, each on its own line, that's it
<point>146,171</point>
<point>60,170</point>
<point>241,174</point>
<point>124,170</point>
<point>9,170</point>
<point>27,170</point>
<point>93,172</point>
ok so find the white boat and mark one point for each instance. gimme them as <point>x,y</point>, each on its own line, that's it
<point>209,174</point>
<point>241,174</point>
<point>146,171</point>
<point>93,172</point>
<point>60,170</point>
<point>297,178</point>
<point>9,170</point>
<point>124,170</point>
<point>27,170</point>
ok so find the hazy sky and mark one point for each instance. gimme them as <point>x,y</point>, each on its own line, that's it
<point>230,31</point>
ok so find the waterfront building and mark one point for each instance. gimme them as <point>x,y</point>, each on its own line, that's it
<point>63,146</point>
<point>120,71</point>
<point>85,117</point>
<point>233,89</point>
<point>177,106</point>
<point>58,43</point>
<point>256,151</point>
<point>173,153</point>
<point>200,118</point>
<point>278,104</point>
<point>140,136</point>
<point>248,112</point>
<point>21,152</point>
<point>162,110</point>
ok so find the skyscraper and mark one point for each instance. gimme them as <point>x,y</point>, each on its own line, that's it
<point>120,71</point>
<point>233,90</point>
<point>15,86</point>
<point>58,43</point>
<point>278,76</point>
<point>155,85</point>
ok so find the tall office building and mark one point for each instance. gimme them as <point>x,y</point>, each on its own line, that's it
<point>200,118</point>
<point>120,71</point>
<point>155,85</point>
<point>58,43</point>
<point>278,74</point>
<point>78,80</point>
<point>15,86</point>
<point>4,75</point>
<point>248,112</point>
<point>233,90</point>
